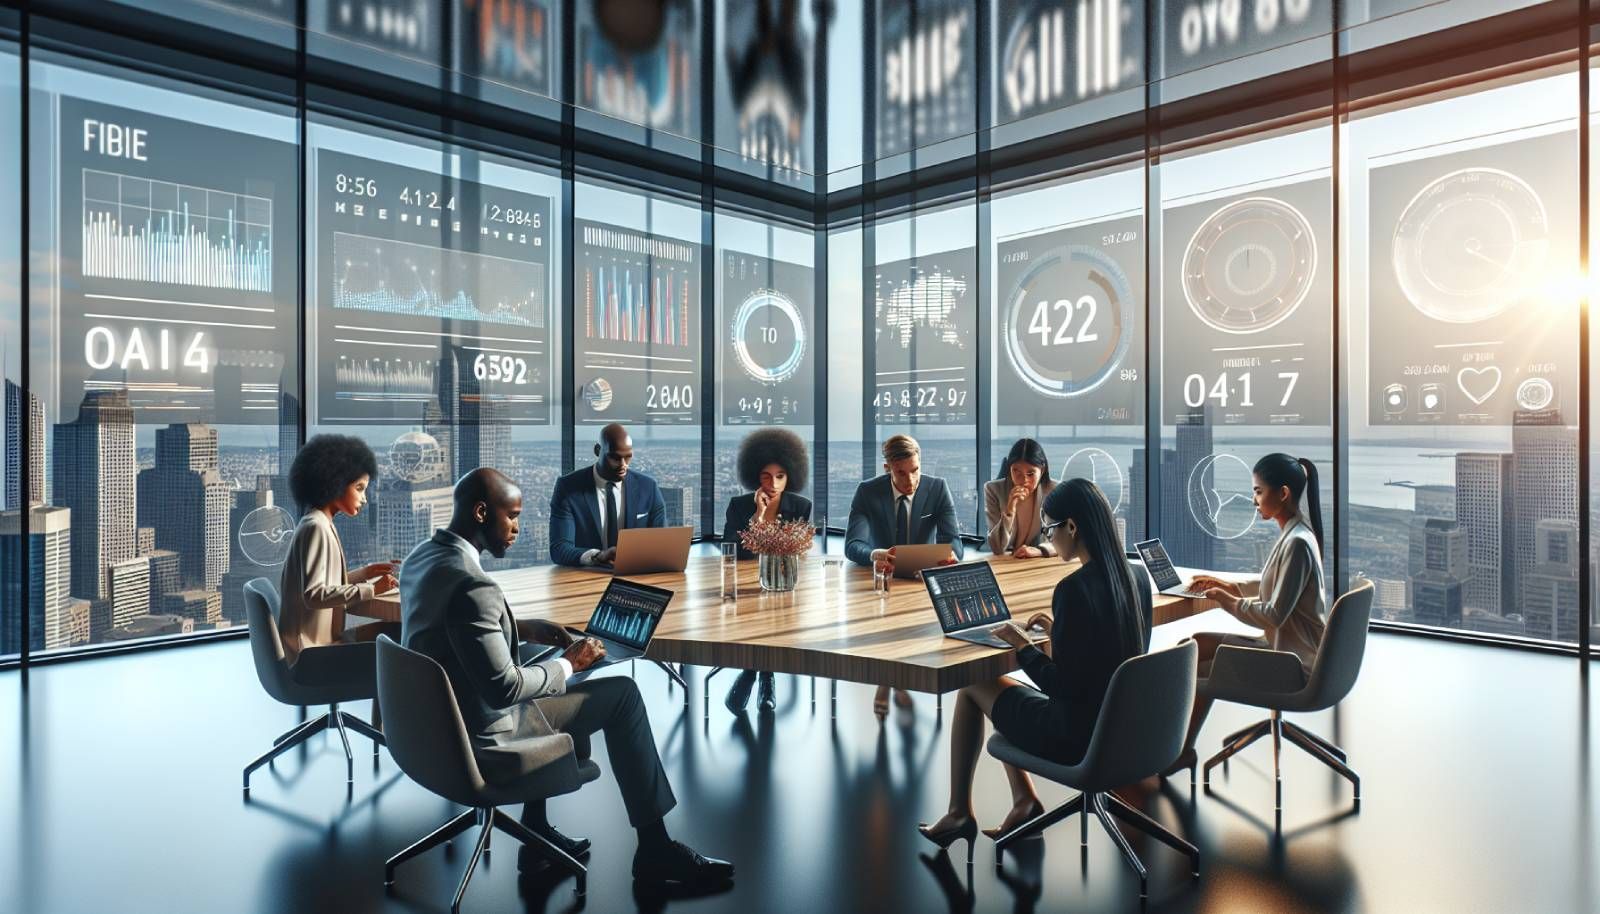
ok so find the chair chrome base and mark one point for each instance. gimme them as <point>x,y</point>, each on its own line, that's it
<point>1279,729</point>
<point>487,819</point>
<point>1103,805</point>
<point>336,718</point>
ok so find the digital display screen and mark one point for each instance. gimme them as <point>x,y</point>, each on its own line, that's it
<point>655,87</point>
<point>1199,33</point>
<point>628,614</point>
<point>1248,287</point>
<point>767,350</point>
<point>408,27</point>
<point>768,61</point>
<point>508,41</point>
<point>924,330</point>
<point>966,596</point>
<point>177,249</point>
<point>1468,321</point>
<point>928,90</point>
<point>427,285</point>
<point>1069,319</point>
<point>637,320</point>
<point>1055,54</point>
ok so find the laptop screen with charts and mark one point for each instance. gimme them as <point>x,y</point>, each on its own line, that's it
<point>627,615</point>
<point>1161,571</point>
<point>969,603</point>
<point>646,550</point>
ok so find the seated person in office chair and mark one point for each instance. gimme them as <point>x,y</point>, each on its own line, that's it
<point>772,464</point>
<point>1099,617</point>
<point>1293,606</point>
<point>455,613</point>
<point>329,477</point>
<point>1012,501</point>
<point>901,507</point>
<point>590,505</point>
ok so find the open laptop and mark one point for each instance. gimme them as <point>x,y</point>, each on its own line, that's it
<point>1161,571</point>
<point>969,604</point>
<point>624,621</point>
<point>910,559</point>
<point>645,550</point>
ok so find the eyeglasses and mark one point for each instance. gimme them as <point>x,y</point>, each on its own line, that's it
<point>1049,530</point>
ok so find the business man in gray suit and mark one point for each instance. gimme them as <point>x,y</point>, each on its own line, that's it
<point>455,613</point>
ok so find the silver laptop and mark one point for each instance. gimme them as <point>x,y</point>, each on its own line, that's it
<point>913,558</point>
<point>646,550</point>
<point>623,621</point>
<point>1161,571</point>
<point>969,604</point>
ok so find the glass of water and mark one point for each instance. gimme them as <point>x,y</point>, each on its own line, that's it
<point>730,571</point>
<point>881,576</point>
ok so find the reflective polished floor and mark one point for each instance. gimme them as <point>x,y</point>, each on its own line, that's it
<point>119,791</point>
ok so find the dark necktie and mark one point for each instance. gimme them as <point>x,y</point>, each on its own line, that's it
<point>611,515</point>
<point>903,521</point>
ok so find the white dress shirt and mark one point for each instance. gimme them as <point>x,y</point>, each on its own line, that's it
<point>477,563</point>
<point>600,484</point>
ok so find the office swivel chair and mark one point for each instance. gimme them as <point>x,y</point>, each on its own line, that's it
<point>429,741</point>
<point>266,646</point>
<point>1274,680</point>
<point>1139,732</point>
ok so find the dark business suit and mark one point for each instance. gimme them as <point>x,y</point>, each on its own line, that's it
<point>742,509</point>
<point>872,520</point>
<point>455,613</point>
<point>575,512</point>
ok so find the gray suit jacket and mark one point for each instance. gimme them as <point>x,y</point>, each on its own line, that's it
<point>455,613</point>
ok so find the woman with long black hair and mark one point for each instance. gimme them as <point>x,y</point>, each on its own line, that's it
<point>1099,616</point>
<point>1013,502</point>
<point>1292,608</point>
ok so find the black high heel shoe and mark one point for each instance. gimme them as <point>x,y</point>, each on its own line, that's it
<point>966,828</point>
<point>739,693</point>
<point>766,695</point>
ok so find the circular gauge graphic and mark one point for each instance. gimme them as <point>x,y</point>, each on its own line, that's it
<point>597,394</point>
<point>1068,323</point>
<point>1249,265</point>
<point>1471,245</point>
<point>1535,394</point>
<point>264,535</point>
<point>1100,468</point>
<point>1221,497</point>
<point>769,337</point>
<point>416,457</point>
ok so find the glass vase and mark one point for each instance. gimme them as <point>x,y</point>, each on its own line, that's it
<point>778,572</point>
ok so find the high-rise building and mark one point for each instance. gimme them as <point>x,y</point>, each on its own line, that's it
<point>1436,590</point>
<point>241,569</point>
<point>1186,541</point>
<point>130,594</point>
<point>1545,458</point>
<point>184,498</point>
<point>479,434</point>
<point>677,504</point>
<point>1485,507</point>
<point>24,422</point>
<point>144,540</point>
<point>408,513</point>
<point>204,607</point>
<point>166,574</point>
<point>288,427</point>
<point>75,621</point>
<point>93,474</point>
<point>1550,593</point>
<point>48,570</point>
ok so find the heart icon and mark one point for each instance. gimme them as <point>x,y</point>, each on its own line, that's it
<point>1479,384</point>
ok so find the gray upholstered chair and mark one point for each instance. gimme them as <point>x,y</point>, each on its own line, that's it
<point>1139,732</point>
<point>1274,680</point>
<point>428,740</point>
<point>266,646</point>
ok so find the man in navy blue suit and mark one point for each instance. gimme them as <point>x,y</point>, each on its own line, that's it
<point>590,505</point>
<point>901,507</point>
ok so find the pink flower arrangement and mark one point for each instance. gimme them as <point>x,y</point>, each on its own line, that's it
<point>784,537</point>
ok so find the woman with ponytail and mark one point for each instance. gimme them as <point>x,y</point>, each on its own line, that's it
<point>1292,608</point>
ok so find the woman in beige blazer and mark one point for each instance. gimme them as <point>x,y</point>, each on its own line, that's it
<point>1013,501</point>
<point>1292,608</point>
<point>329,477</point>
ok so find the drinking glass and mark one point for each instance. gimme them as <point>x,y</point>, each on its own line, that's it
<point>881,577</point>
<point>730,571</point>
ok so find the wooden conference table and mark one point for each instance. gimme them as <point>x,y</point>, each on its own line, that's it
<point>832,625</point>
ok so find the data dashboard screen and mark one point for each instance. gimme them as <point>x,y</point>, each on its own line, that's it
<point>656,86</point>
<point>928,89</point>
<point>965,595</point>
<point>629,612</point>
<point>767,349</point>
<point>430,288</point>
<point>1469,320</point>
<point>176,250</point>
<point>1055,54</point>
<point>1068,325</point>
<point>924,329</point>
<point>637,321</point>
<point>407,27</point>
<point>1201,33</point>
<point>511,42</point>
<point>1250,342</point>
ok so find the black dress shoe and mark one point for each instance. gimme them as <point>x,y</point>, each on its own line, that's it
<point>679,864</point>
<point>533,857</point>
<point>766,700</point>
<point>739,694</point>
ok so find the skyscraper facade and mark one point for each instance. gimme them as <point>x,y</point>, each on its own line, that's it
<point>1485,507</point>
<point>184,498</point>
<point>24,423</point>
<point>93,474</point>
<point>1436,590</point>
<point>1550,594</point>
<point>1545,455</point>
<point>45,561</point>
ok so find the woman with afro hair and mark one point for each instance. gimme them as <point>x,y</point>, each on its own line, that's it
<point>773,465</point>
<point>330,476</point>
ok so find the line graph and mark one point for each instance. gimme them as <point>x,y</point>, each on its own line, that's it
<point>419,280</point>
